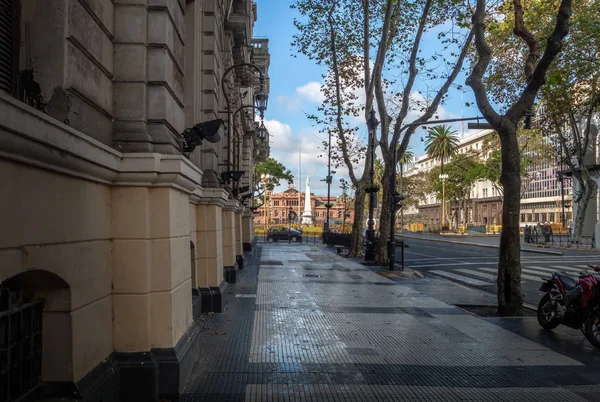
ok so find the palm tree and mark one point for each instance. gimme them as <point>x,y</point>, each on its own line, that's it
<point>442,144</point>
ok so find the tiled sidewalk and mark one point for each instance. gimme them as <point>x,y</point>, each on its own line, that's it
<point>304,324</point>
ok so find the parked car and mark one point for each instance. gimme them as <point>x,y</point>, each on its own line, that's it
<point>284,234</point>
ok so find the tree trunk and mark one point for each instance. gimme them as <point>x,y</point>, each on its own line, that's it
<point>385,216</point>
<point>587,190</point>
<point>510,295</point>
<point>356,243</point>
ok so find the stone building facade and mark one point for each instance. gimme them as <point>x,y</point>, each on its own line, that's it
<point>279,205</point>
<point>119,226</point>
<point>541,198</point>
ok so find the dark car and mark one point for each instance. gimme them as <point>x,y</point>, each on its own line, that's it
<point>284,234</point>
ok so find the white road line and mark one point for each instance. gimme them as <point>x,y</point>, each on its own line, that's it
<point>477,273</point>
<point>455,264</point>
<point>491,277</point>
<point>570,269</point>
<point>460,278</point>
<point>530,277</point>
<point>555,269</point>
<point>542,274</point>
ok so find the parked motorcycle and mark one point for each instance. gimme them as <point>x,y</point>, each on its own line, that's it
<point>572,302</point>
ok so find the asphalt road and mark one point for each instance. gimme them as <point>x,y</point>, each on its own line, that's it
<point>476,266</point>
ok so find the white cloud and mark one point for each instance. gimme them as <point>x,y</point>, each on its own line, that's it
<point>285,146</point>
<point>291,104</point>
<point>311,92</point>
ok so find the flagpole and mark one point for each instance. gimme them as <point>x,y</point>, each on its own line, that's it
<point>299,182</point>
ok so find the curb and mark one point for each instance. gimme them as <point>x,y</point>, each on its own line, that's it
<point>479,244</point>
<point>584,250</point>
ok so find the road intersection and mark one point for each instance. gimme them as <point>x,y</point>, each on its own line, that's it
<point>476,266</point>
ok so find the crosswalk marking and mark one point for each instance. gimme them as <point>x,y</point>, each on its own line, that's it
<point>530,277</point>
<point>532,271</point>
<point>572,271</point>
<point>460,278</point>
<point>477,273</point>
<point>487,275</point>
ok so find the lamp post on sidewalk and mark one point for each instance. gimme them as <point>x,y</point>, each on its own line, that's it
<point>370,253</point>
<point>265,178</point>
<point>395,197</point>
<point>443,178</point>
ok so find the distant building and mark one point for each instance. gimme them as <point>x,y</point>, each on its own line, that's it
<point>281,203</point>
<point>541,196</point>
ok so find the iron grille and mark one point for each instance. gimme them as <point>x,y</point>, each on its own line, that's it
<point>20,346</point>
<point>8,44</point>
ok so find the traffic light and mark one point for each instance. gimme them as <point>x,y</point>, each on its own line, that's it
<point>397,201</point>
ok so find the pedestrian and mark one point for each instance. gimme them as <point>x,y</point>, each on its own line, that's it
<point>527,234</point>
<point>571,230</point>
<point>550,233</point>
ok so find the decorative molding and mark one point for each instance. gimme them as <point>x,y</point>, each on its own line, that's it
<point>31,137</point>
<point>214,196</point>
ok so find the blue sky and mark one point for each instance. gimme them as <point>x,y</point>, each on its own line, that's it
<point>295,83</point>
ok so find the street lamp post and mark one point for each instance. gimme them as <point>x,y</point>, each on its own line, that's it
<point>261,100</point>
<point>391,246</point>
<point>443,178</point>
<point>265,178</point>
<point>372,124</point>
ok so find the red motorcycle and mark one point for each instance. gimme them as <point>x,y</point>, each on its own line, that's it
<point>572,302</point>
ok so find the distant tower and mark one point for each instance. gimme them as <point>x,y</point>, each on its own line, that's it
<point>307,214</point>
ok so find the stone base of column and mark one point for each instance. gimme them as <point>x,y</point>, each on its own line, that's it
<point>239,259</point>
<point>102,383</point>
<point>196,304</point>
<point>248,247</point>
<point>158,373</point>
<point>211,300</point>
<point>230,273</point>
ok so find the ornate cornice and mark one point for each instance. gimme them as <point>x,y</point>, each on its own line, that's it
<point>33,138</point>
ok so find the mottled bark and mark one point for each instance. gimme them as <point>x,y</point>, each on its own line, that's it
<point>385,218</point>
<point>587,188</point>
<point>510,295</point>
<point>356,243</point>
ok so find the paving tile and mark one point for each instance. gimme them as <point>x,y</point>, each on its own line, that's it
<point>352,335</point>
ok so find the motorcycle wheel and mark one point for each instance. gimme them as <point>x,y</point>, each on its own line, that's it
<point>592,329</point>
<point>545,319</point>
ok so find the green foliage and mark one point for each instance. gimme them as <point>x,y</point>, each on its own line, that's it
<point>441,143</point>
<point>274,168</point>
<point>463,171</point>
<point>535,148</point>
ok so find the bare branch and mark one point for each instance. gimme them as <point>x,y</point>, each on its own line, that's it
<point>412,70</point>
<point>367,53</point>
<point>438,97</point>
<point>484,53</point>
<point>522,32</point>
<point>538,77</point>
<point>338,91</point>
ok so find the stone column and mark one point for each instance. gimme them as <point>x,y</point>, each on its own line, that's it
<point>247,231</point>
<point>229,238</point>
<point>151,267</point>
<point>239,251</point>
<point>151,278</point>
<point>130,132</point>
<point>209,267</point>
<point>148,85</point>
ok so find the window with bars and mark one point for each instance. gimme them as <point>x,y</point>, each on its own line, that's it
<point>9,45</point>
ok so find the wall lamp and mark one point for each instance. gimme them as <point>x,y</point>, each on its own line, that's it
<point>232,175</point>
<point>262,132</point>
<point>208,130</point>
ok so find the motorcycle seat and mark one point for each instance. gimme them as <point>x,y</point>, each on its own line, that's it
<point>568,282</point>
